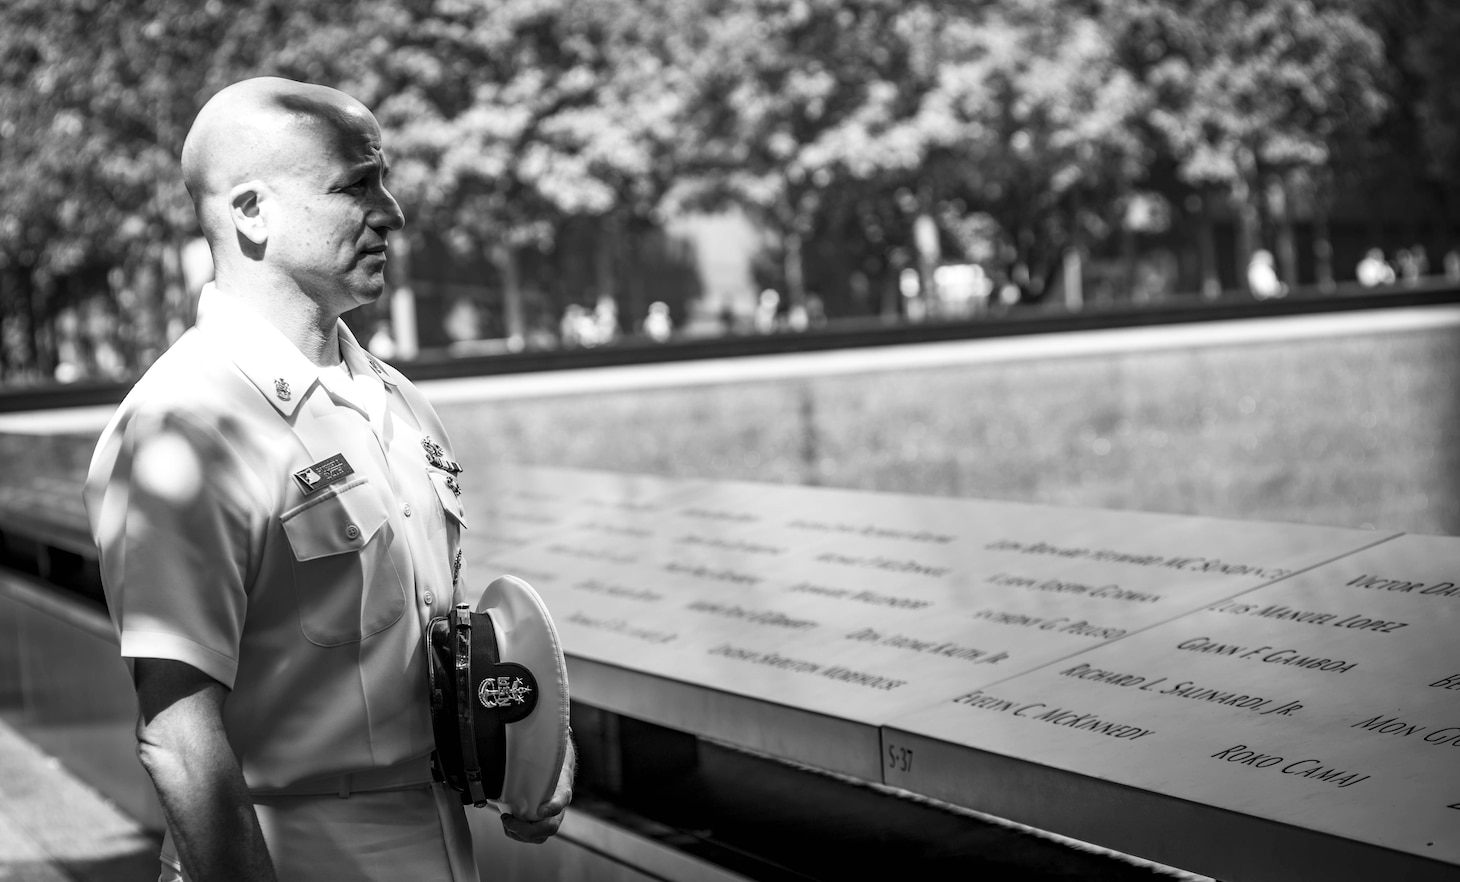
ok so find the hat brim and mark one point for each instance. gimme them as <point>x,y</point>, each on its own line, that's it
<point>538,744</point>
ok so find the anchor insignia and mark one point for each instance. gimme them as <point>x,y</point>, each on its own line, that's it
<point>502,691</point>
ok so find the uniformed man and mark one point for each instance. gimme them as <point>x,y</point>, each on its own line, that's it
<point>278,517</point>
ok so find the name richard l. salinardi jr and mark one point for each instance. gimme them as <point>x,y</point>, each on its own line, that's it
<point>1186,689</point>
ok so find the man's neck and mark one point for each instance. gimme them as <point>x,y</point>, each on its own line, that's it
<point>316,334</point>
<point>313,329</point>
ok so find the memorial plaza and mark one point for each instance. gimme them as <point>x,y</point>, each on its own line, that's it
<point>1024,688</point>
<point>729,440</point>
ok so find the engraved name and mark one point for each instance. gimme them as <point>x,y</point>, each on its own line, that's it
<point>619,504</point>
<point>1268,654</point>
<point>711,514</point>
<point>622,591</point>
<point>942,648</point>
<point>623,627</point>
<point>870,530</point>
<point>1280,612</point>
<point>1446,736</point>
<point>780,662</point>
<point>617,529</point>
<point>598,554</point>
<point>1058,716</point>
<point>1405,586</point>
<point>1058,586</point>
<point>737,545</point>
<point>1105,555</point>
<point>910,567</point>
<point>1058,624</point>
<point>868,597</point>
<point>769,617</point>
<point>1183,689</point>
<point>1312,769</point>
<point>714,575</point>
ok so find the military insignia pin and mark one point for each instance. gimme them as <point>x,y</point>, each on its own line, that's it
<point>436,456</point>
<point>281,389</point>
<point>323,473</point>
<point>497,692</point>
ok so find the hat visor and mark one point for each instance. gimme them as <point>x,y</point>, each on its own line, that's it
<point>536,745</point>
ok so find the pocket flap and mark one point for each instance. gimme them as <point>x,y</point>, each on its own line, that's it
<point>449,492</point>
<point>342,521</point>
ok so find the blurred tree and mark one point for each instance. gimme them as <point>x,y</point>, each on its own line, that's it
<point>1038,132</point>
<point>1432,66</point>
<point>1419,137</point>
<point>95,100</point>
<point>1251,95</point>
<point>799,101</point>
<point>1003,127</point>
<point>1014,134</point>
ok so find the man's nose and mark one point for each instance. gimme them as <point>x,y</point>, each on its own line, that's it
<point>386,212</point>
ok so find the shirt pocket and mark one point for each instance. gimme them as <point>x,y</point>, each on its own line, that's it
<point>345,582</point>
<point>448,490</point>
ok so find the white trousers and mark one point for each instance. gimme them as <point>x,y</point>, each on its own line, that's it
<point>384,836</point>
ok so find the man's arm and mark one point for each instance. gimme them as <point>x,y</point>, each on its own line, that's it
<point>550,813</point>
<point>181,743</point>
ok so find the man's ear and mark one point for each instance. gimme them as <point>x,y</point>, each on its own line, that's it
<point>246,208</point>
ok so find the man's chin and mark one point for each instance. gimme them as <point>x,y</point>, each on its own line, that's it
<point>367,293</point>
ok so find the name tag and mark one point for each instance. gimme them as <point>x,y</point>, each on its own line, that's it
<point>323,473</point>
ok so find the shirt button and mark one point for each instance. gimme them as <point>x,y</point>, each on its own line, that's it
<point>428,598</point>
<point>352,531</point>
<point>407,509</point>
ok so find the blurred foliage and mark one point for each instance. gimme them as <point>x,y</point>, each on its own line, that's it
<point>95,100</point>
<point>1043,131</point>
<point>1022,128</point>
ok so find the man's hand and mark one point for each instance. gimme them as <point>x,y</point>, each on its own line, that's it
<point>550,814</point>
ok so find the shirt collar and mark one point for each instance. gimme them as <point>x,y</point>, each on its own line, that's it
<point>265,356</point>
<point>362,363</point>
<point>370,383</point>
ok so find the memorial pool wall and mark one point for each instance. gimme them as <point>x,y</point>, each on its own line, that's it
<point>1347,420</point>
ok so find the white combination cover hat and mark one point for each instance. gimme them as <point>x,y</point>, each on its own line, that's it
<point>537,744</point>
<point>499,699</point>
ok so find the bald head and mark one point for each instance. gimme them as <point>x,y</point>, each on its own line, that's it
<point>289,184</point>
<point>265,129</point>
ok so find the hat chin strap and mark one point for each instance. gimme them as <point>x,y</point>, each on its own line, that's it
<point>492,731</point>
<point>466,713</point>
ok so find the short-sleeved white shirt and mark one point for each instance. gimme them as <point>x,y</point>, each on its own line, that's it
<point>288,542</point>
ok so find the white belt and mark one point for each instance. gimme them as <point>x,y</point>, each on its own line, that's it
<point>409,775</point>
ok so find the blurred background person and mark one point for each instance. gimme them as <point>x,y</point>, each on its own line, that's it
<point>1262,277</point>
<point>658,325</point>
<point>1374,270</point>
